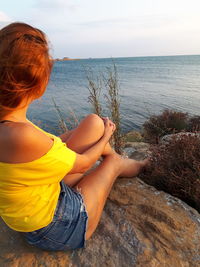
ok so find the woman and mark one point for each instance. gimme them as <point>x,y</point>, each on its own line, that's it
<point>44,191</point>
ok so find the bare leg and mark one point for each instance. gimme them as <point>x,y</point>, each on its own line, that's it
<point>88,132</point>
<point>95,187</point>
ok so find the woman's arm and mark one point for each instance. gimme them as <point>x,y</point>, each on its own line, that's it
<point>86,160</point>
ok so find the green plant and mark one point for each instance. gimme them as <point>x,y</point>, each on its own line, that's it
<point>175,168</point>
<point>133,136</point>
<point>166,123</point>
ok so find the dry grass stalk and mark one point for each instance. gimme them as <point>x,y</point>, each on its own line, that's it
<point>111,82</point>
<point>72,119</point>
<point>62,124</point>
<point>94,88</point>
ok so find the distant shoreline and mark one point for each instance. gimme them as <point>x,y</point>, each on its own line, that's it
<point>120,57</point>
<point>65,59</point>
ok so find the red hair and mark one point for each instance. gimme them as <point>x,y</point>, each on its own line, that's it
<point>25,64</point>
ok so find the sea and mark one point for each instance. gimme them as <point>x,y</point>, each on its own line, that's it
<point>147,86</point>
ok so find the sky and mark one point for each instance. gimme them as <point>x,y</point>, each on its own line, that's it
<point>111,28</point>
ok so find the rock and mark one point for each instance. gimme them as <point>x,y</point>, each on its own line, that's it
<point>15,252</point>
<point>136,150</point>
<point>134,136</point>
<point>140,226</point>
<point>166,138</point>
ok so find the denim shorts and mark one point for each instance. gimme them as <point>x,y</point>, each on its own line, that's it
<point>68,227</point>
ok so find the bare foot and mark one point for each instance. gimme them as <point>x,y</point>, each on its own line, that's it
<point>132,167</point>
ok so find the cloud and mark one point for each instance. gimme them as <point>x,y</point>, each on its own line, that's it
<point>147,21</point>
<point>78,28</point>
<point>52,15</point>
<point>56,5</point>
<point>140,27</point>
<point>4,19</point>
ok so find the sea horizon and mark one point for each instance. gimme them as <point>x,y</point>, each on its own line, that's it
<point>142,56</point>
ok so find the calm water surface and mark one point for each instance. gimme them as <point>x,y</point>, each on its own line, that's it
<point>147,86</point>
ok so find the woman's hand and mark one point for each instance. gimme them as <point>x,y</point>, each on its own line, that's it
<point>109,128</point>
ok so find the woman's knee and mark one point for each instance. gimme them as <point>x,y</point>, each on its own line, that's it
<point>94,121</point>
<point>88,132</point>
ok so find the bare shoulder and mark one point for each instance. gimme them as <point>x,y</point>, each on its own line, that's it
<point>22,142</point>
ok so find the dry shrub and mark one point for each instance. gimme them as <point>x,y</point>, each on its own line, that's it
<point>175,168</point>
<point>166,123</point>
<point>194,124</point>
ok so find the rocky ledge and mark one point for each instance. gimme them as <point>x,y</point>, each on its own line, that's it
<point>140,226</point>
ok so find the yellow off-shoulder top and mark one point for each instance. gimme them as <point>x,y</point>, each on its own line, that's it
<point>29,191</point>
